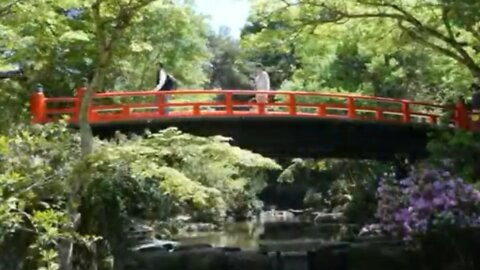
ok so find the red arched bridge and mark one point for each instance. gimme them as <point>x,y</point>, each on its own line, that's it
<point>293,124</point>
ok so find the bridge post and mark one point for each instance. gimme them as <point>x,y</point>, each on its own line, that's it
<point>351,108</point>
<point>406,112</point>
<point>229,103</point>
<point>79,92</point>
<point>378,114</point>
<point>292,108</point>
<point>461,114</point>
<point>160,97</point>
<point>322,110</point>
<point>37,105</point>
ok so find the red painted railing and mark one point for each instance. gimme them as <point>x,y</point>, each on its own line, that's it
<point>128,106</point>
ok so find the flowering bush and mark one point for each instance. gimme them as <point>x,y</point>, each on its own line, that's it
<point>426,200</point>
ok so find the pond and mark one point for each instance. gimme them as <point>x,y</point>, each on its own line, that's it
<point>250,235</point>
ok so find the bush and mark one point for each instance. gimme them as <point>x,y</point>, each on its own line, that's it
<point>428,199</point>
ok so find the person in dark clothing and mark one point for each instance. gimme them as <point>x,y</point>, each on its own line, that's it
<point>165,82</point>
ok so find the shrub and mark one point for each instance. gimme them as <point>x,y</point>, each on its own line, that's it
<point>427,199</point>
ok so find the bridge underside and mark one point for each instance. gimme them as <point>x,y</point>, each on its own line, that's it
<point>290,137</point>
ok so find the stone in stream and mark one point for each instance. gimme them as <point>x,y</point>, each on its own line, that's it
<point>297,230</point>
<point>200,227</point>
<point>248,260</point>
<point>155,244</point>
<point>329,218</point>
<point>192,246</point>
<point>203,259</point>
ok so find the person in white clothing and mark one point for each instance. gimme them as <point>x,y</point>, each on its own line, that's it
<point>262,83</point>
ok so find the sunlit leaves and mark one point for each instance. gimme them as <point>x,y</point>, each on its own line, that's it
<point>74,36</point>
<point>357,54</point>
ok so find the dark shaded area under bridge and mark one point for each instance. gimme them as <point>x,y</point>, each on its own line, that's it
<point>290,137</point>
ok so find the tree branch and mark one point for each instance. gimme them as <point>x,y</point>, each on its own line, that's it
<point>424,41</point>
<point>446,23</point>
<point>7,9</point>
<point>397,13</point>
<point>11,74</point>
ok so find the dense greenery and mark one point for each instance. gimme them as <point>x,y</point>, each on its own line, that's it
<point>68,198</point>
<point>149,179</point>
<point>352,46</point>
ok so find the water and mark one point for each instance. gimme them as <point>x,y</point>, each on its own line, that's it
<point>283,231</point>
<point>245,235</point>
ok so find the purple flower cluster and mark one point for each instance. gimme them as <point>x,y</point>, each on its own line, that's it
<point>426,199</point>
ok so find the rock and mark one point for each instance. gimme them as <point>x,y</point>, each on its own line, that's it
<point>300,212</point>
<point>155,244</point>
<point>291,245</point>
<point>191,247</point>
<point>370,230</point>
<point>380,256</point>
<point>329,218</point>
<point>248,261</point>
<point>182,218</point>
<point>200,227</point>
<point>203,259</point>
<point>230,249</point>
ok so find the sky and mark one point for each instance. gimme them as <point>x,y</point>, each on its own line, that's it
<point>230,13</point>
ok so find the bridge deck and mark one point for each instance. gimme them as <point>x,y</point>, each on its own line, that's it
<point>297,124</point>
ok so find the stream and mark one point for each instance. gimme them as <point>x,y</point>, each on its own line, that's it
<point>251,234</point>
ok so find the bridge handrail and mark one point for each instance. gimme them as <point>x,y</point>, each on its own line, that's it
<point>41,110</point>
<point>254,92</point>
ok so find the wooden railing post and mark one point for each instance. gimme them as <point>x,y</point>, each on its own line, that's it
<point>229,103</point>
<point>160,97</point>
<point>406,112</point>
<point>196,109</point>
<point>322,110</point>
<point>292,104</point>
<point>378,114</point>
<point>351,113</point>
<point>38,105</point>
<point>461,115</point>
<point>79,92</point>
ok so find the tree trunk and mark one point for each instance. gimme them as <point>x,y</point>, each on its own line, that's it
<point>86,142</point>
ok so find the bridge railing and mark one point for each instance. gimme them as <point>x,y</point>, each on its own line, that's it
<point>135,105</point>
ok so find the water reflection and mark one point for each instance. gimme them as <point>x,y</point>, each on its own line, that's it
<point>248,235</point>
<point>244,235</point>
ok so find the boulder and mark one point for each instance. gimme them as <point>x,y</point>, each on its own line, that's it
<point>202,259</point>
<point>247,260</point>
<point>329,218</point>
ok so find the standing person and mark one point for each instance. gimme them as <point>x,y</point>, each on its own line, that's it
<point>262,83</point>
<point>165,82</point>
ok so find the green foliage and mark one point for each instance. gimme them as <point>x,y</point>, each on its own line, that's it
<point>168,174</point>
<point>375,56</point>
<point>347,186</point>
<point>36,165</point>
<point>55,44</point>
<point>149,179</point>
<point>458,151</point>
<point>227,70</point>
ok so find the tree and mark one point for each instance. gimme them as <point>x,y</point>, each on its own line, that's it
<point>270,43</point>
<point>150,179</point>
<point>447,27</point>
<point>227,69</point>
<point>353,57</point>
